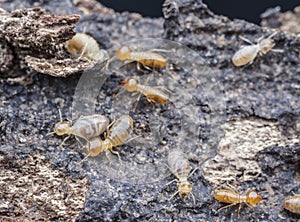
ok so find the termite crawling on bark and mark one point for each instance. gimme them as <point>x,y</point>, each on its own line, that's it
<point>85,127</point>
<point>83,45</point>
<point>233,197</point>
<point>292,203</point>
<point>180,167</point>
<point>248,53</point>
<point>146,58</point>
<point>117,135</point>
<point>152,94</point>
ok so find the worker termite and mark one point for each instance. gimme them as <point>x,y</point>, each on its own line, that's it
<point>146,58</point>
<point>233,197</point>
<point>117,135</point>
<point>152,94</point>
<point>85,127</point>
<point>180,167</point>
<point>248,53</point>
<point>292,203</point>
<point>83,45</point>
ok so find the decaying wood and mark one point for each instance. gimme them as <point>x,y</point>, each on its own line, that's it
<point>33,33</point>
<point>92,6</point>
<point>30,185</point>
<point>286,21</point>
<point>58,67</point>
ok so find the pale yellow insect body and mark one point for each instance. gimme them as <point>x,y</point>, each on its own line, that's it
<point>83,45</point>
<point>85,127</point>
<point>247,54</point>
<point>117,135</point>
<point>152,94</point>
<point>292,203</point>
<point>232,197</point>
<point>180,167</point>
<point>147,58</point>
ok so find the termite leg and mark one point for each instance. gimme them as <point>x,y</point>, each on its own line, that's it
<point>139,96</point>
<point>173,195</point>
<point>107,128</point>
<point>175,180</point>
<point>249,205</point>
<point>84,159</point>
<point>117,153</point>
<point>232,188</point>
<point>78,140</point>
<point>227,206</point>
<point>133,138</point>
<point>106,67</point>
<point>107,153</point>
<point>140,67</point>
<point>65,139</point>
<point>240,207</point>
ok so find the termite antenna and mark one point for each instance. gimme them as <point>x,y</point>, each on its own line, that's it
<point>48,134</point>
<point>277,50</point>
<point>172,181</point>
<point>113,58</point>
<point>194,170</point>
<point>83,51</point>
<point>193,197</point>
<point>246,40</point>
<point>272,35</point>
<point>84,159</point>
<point>60,116</point>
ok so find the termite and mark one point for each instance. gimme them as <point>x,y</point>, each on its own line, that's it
<point>233,197</point>
<point>152,94</point>
<point>83,45</point>
<point>248,53</point>
<point>146,58</point>
<point>180,167</point>
<point>85,127</point>
<point>117,135</point>
<point>292,203</point>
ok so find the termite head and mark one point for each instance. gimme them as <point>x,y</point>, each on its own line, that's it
<point>62,128</point>
<point>266,45</point>
<point>253,197</point>
<point>130,84</point>
<point>184,188</point>
<point>94,146</point>
<point>123,53</point>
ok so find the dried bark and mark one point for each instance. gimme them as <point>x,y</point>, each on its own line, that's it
<point>33,33</point>
<point>288,21</point>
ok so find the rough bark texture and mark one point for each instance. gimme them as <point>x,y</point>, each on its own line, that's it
<point>288,21</point>
<point>260,148</point>
<point>31,35</point>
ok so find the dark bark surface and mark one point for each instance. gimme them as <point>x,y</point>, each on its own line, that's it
<point>40,180</point>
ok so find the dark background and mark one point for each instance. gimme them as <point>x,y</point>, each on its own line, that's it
<point>248,10</point>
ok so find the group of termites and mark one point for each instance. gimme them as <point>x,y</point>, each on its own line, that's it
<point>117,133</point>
